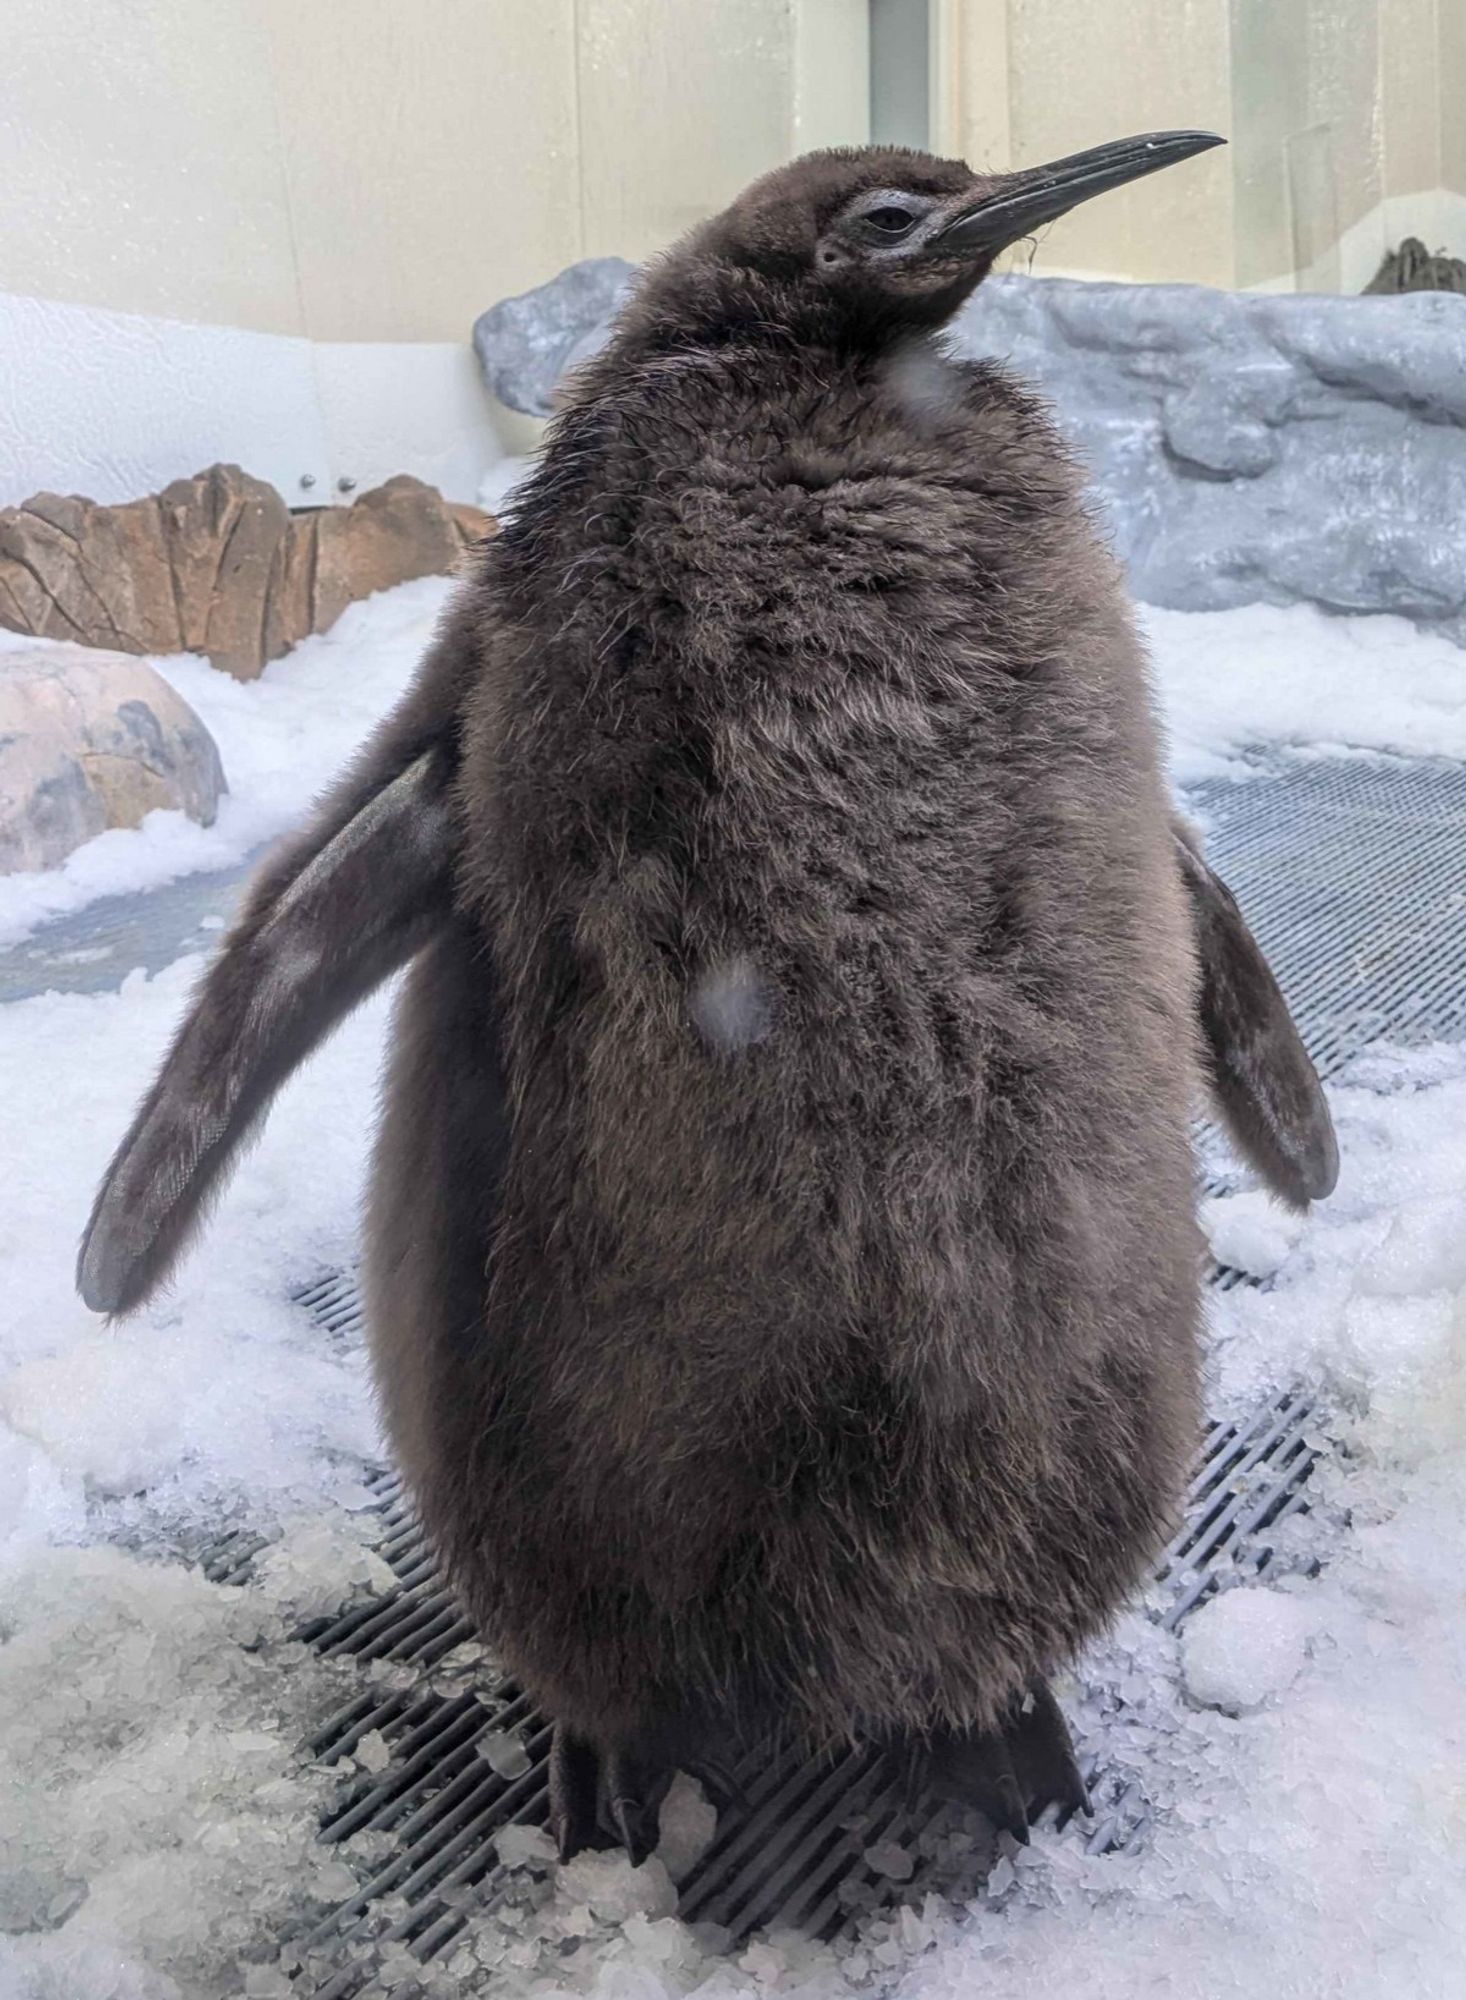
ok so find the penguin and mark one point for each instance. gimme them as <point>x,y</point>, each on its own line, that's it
<point>782,1273</point>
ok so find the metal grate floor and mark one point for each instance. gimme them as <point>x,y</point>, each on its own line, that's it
<point>794,1857</point>
<point>1353,875</point>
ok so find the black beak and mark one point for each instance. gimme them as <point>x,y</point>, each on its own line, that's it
<point>1024,201</point>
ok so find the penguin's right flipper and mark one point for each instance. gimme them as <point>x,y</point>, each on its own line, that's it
<point>1261,1078</point>
<point>324,925</point>
<point>337,909</point>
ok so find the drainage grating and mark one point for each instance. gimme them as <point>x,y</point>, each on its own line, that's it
<point>1350,872</point>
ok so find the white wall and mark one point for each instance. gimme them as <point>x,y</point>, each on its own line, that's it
<point>262,229</point>
<point>1343,118</point>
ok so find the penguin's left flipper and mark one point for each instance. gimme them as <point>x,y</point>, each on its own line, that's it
<point>346,905</point>
<point>1262,1081</point>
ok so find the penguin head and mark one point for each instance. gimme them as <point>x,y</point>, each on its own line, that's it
<point>868,245</point>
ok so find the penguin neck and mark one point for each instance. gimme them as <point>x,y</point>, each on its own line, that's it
<point>715,304</point>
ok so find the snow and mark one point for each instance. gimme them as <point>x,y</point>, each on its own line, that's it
<point>1243,1647</point>
<point>151,1806</point>
<point>157,1813</point>
<point>1236,683</point>
<point>1250,1232</point>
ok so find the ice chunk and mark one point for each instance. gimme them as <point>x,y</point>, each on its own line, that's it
<point>891,1859</point>
<point>614,1889</point>
<point>372,1752</point>
<point>1244,1646</point>
<point>689,1823</point>
<point>333,1881</point>
<point>321,1564</point>
<point>1250,1231</point>
<point>1001,1876</point>
<point>504,1753</point>
<point>524,1846</point>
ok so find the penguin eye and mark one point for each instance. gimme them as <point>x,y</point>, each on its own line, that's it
<point>885,224</point>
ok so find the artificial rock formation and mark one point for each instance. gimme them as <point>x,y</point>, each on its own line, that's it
<point>1300,448</point>
<point>528,344</point>
<point>90,740</point>
<point>216,564</point>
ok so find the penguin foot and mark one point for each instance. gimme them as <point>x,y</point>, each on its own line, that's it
<point>1011,1775</point>
<point>604,1798</point>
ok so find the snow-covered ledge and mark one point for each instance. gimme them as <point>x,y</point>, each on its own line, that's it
<point>1307,448</point>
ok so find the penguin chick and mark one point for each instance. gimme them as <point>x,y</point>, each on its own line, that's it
<point>782,1273</point>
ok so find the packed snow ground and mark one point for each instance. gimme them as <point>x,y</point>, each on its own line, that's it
<point>1304,1744</point>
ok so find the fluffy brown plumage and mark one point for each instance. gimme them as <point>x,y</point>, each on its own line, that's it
<point>782,1272</point>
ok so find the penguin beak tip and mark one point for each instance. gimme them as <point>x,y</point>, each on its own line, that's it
<point>1021,202</point>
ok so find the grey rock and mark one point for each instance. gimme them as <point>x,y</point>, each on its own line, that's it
<point>1305,448</point>
<point>526,345</point>
<point>90,740</point>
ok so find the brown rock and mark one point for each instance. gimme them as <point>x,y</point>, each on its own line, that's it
<point>296,607</point>
<point>98,574</point>
<point>225,537</point>
<point>215,564</point>
<point>472,523</point>
<point>394,533</point>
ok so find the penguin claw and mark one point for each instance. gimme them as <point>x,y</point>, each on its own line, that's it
<point>632,1790</point>
<point>1043,1756</point>
<point>598,1798</point>
<point>574,1785</point>
<point>1011,1775</point>
<point>629,1817</point>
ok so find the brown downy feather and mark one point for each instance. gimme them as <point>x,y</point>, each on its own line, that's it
<point>848,1373</point>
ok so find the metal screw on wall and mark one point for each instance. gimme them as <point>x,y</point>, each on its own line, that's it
<point>307,479</point>
<point>345,485</point>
